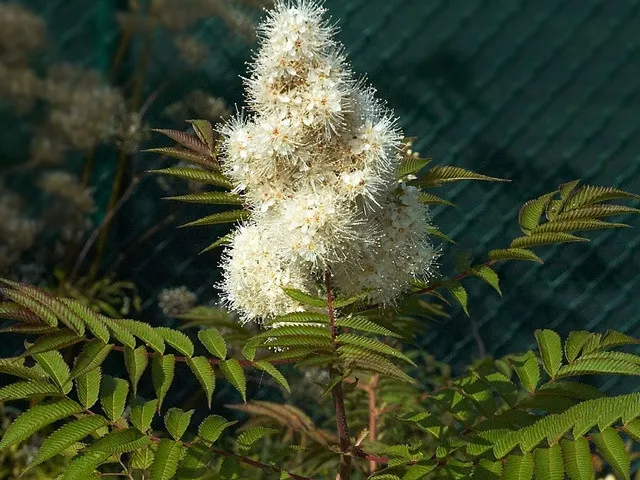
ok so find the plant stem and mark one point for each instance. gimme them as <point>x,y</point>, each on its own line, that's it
<point>123,158</point>
<point>373,415</point>
<point>337,392</point>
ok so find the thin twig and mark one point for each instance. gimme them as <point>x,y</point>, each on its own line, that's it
<point>458,277</point>
<point>105,222</point>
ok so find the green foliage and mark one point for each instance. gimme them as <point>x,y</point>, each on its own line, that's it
<point>527,415</point>
<point>213,342</point>
<point>162,373</point>
<point>165,463</point>
<point>212,427</point>
<point>233,372</point>
<point>177,422</point>
<point>113,396</point>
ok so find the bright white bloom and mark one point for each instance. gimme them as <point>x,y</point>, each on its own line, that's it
<point>316,159</point>
<point>255,276</point>
<point>402,251</point>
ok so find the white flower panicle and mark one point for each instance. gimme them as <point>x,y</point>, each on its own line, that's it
<point>316,158</point>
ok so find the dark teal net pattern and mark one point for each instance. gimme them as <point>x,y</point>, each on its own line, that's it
<point>540,92</point>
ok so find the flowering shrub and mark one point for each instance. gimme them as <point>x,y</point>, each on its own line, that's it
<point>335,257</point>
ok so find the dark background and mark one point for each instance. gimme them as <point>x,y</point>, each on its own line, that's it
<point>538,91</point>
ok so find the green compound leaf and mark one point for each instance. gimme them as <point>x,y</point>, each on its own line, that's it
<point>213,342</point>
<point>289,330</point>
<point>92,356</point>
<point>224,240</point>
<point>113,396</point>
<point>531,211</point>
<point>135,361</point>
<point>231,216</point>
<point>177,340</point>
<point>142,414</point>
<point>590,195</point>
<point>54,306</point>
<point>372,344</point>
<point>518,467</point>
<point>539,239</point>
<point>28,389</point>
<point>36,418</point>
<point>55,367</point>
<point>233,372</point>
<point>66,436</point>
<point>212,427</point>
<point>118,332</point>
<point>203,371</point>
<point>299,317</point>
<point>411,164</point>
<point>142,459</point>
<point>550,347</point>
<point>53,341</point>
<point>120,441</point>
<point>613,450</point>
<point>194,464</point>
<point>340,302</point>
<point>177,421</point>
<point>91,319</point>
<point>305,298</point>
<point>487,470</point>
<point>548,464</point>
<point>597,211</point>
<point>196,175</point>
<point>162,373</point>
<point>366,360</point>
<point>363,324</point>
<point>180,154</point>
<point>431,199</point>
<point>250,436</point>
<point>514,254</point>
<point>209,198</point>
<point>613,338</point>
<point>88,387</point>
<point>165,463</point>
<point>574,343</point>
<point>604,363</point>
<point>569,226</point>
<point>577,459</point>
<point>436,176</point>
<point>488,275</point>
<point>633,429</point>
<point>459,293</point>
<point>24,300</point>
<point>527,369</point>
<point>144,332</point>
<point>275,373</point>
<point>82,467</point>
<point>15,367</point>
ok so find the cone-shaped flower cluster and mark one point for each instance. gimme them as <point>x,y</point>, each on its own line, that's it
<point>316,159</point>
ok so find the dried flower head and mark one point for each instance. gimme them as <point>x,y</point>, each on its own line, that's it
<point>72,203</point>
<point>17,232</point>
<point>174,301</point>
<point>83,110</point>
<point>316,158</point>
<point>22,32</point>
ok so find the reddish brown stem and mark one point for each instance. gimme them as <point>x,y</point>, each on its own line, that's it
<point>373,415</point>
<point>337,392</point>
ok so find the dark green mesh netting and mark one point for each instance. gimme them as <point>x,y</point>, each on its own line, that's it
<point>541,92</point>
